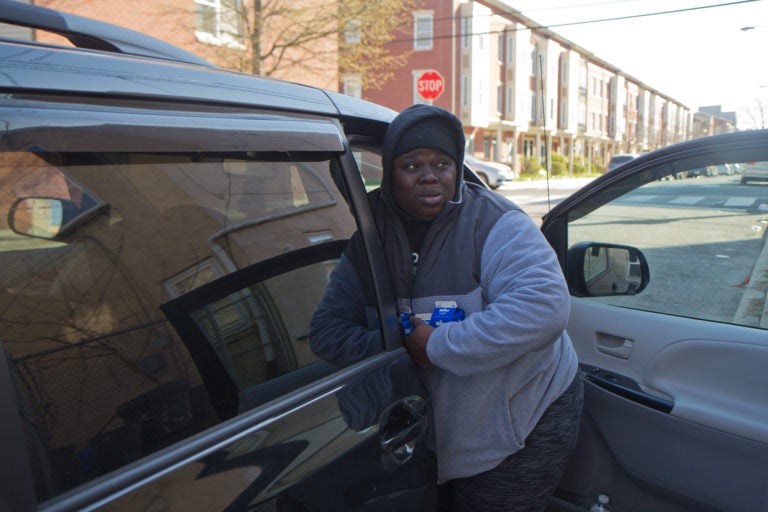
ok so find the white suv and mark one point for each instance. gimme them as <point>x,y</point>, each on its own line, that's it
<point>754,171</point>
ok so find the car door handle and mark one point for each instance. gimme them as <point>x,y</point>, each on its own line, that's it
<point>401,424</point>
<point>616,346</point>
<point>391,441</point>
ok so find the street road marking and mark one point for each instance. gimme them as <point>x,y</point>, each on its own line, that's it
<point>687,199</point>
<point>642,199</point>
<point>740,201</point>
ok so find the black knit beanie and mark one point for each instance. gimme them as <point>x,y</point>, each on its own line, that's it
<point>433,133</point>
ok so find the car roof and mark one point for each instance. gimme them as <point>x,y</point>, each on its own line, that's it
<point>97,35</point>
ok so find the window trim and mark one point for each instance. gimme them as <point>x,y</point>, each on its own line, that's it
<point>217,380</point>
<point>220,36</point>
<point>353,31</point>
<point>423,39</point>
<point>57,131</point>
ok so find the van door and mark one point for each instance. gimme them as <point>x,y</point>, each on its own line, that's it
<point>162,268</point>
<point>676,409</point>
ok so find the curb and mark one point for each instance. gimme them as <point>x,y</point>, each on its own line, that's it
<point>753,308</point>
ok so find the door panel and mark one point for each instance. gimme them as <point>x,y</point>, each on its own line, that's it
<point>156,311</point>
<point>676,408</point>
<point>709,451</point>
<point>321,454</point>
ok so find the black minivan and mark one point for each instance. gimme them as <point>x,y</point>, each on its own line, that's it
<point>168,229</point>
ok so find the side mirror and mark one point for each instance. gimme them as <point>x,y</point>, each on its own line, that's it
<point>47,217</point>
<point>598,270</point>
<point>40,217</point>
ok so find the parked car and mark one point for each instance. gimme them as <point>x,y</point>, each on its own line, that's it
<point>168,229</point>
<point>754,171</point>
<point>494,174</point>
<point>618,160</point>
<point>725,170</point>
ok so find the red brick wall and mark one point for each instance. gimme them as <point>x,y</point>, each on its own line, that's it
<point>173,21</point>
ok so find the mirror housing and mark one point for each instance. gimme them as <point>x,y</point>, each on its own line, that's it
<point>49,217</point>
<point>597,270</point>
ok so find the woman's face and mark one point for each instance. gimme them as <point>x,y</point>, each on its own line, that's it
<point>423,180</point>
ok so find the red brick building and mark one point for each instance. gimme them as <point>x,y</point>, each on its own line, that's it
<point>523,91</point>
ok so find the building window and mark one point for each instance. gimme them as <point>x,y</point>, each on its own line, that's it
<point>465,91</point>
<point>219,21</point>
<point>422,30</point>
<point>563,114</point>
<point>417,98</point>
<point>564,71</point>
<point>509,100</point>
<point>500,46</point>
<point>528,148</point>
<point>466,31</point>
<point>352,32</point>
<point>510,48</point>
<point>353,85</point>
<point>499,99</point>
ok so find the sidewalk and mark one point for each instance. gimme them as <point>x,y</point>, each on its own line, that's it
<point>753,308</point>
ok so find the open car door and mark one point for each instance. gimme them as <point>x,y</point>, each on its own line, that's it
<point>668,269</point>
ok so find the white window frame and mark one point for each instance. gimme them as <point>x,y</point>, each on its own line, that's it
<point>466,29</point>
<point>423,30</point>
<point>352,85</point>
<point>222,34</point>
<point>353,31</point>
<point>563,113</point>
<point>417,98</point>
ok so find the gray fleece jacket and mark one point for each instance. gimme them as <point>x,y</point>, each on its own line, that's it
<point>495,373</point>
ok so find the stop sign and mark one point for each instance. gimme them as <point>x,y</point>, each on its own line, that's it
<point>430,85</point>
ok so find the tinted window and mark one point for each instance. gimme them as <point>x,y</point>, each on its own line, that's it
<point>115,351</point>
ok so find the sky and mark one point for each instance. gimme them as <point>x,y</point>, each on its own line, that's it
<point>699,56</point>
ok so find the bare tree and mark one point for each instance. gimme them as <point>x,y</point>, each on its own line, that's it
<point>298,39</point>
<point>366,28</point>
<point>757,112</point>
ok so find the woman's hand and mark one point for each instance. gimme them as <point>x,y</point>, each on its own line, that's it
<point>416,342</point>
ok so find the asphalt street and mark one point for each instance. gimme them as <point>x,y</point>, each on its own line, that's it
<point>537,197</point>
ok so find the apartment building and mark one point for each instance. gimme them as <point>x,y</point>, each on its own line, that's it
<point>524,91</point>
<point>711,120</point>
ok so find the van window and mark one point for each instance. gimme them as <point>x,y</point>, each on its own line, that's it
<point>150,294</point>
